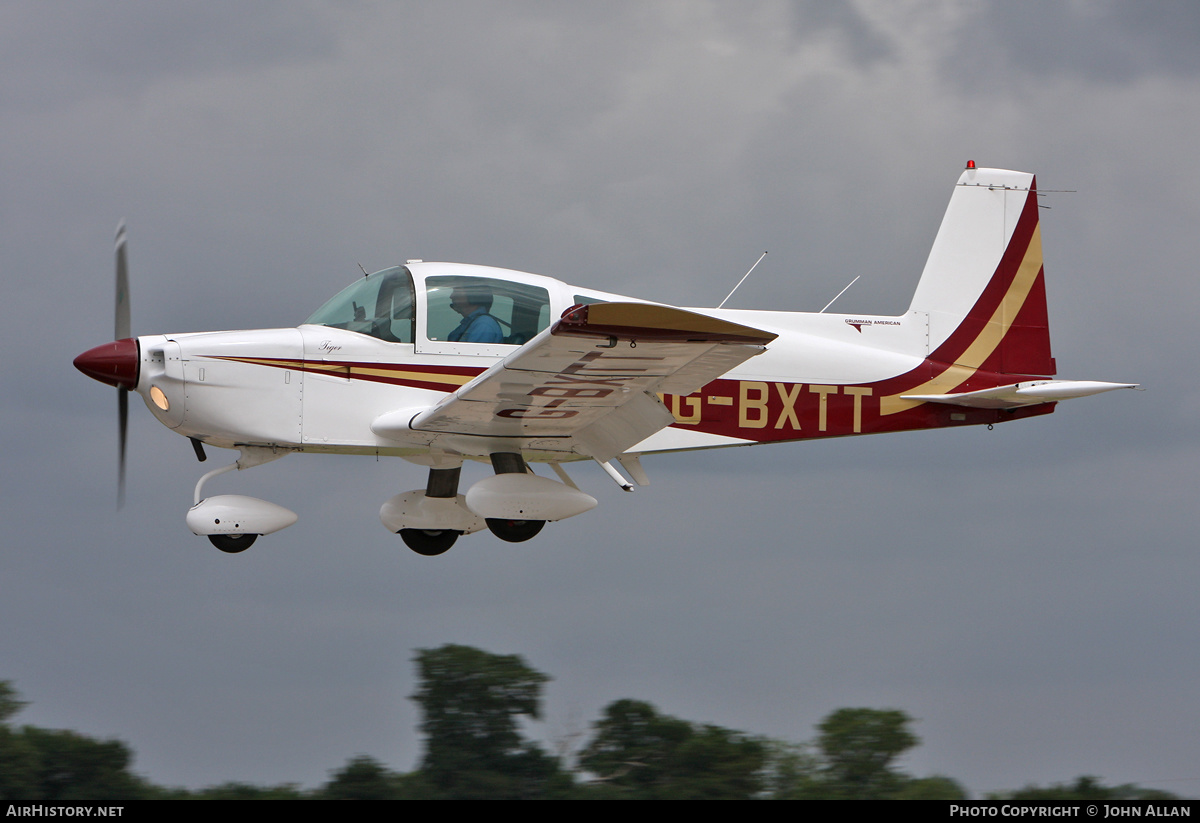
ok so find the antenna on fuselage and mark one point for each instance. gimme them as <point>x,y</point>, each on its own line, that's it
<point>743,280</point>
<point>364,271</point>
<point>839,294</point>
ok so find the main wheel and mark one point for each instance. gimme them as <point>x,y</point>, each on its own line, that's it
<point>514,531</point>
<point>232,543</point>
<point>429,542</point>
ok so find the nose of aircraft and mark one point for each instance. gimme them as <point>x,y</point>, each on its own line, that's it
<point>113,363</point>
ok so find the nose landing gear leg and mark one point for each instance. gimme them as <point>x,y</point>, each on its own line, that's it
<point>232,522</point>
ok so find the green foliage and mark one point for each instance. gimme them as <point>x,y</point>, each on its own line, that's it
<point>855,752</point>
<point>471,702</point>
<point>64,766</point>
<point>719,764</point>
<point>792,772</point>
<point>72,767</point>
<point>1085,787</point>
<point>20,766</point>
<point>10,701</point>
<point>936,787</point>
<point>633,745</point>
<point>639,753</point>
<point>363,778</point>
<point>241,791</point>
<point>858,747</point>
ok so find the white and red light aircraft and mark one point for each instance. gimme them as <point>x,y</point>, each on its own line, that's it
<point>573,374</point>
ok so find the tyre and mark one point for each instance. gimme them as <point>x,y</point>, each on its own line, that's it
<point>232,543</point>
<point>514,531</point>
<point>429,542</point>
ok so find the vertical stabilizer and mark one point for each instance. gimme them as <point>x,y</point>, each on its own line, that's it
<point>983,287</point>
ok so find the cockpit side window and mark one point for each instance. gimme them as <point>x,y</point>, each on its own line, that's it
<point>496,311</point>
<point>380,305</point>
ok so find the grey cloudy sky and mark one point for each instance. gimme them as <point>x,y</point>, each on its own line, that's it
<point>1027,593</point>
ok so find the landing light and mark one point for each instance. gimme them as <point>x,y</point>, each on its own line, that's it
<point>160,399</point>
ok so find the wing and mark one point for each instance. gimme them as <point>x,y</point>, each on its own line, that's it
<point>593,377</point>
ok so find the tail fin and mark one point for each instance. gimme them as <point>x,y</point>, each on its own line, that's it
<point>983,287</point>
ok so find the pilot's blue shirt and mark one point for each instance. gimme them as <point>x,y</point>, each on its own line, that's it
<point>478,327</point>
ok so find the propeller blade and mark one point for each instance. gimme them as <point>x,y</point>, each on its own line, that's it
<point>123,427</point>
<point>122,326</point>
<point>122,314</point>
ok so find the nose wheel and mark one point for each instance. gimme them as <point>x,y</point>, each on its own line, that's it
<point>232,543</point>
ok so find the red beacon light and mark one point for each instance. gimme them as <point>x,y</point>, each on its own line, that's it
<point>970,165</point>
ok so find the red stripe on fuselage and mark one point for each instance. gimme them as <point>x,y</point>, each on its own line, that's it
<point>395,374</point>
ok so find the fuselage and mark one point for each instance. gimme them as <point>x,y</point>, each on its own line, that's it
<point>319,387</point>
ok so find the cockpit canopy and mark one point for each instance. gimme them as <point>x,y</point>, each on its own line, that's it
<point>426,309</point>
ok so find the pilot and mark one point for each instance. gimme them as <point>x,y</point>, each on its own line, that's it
<point>477,326</point>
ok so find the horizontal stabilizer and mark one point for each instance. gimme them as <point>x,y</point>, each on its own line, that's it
<point>1016,395</point>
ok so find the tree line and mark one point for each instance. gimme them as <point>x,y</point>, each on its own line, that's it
<point>472,705</point>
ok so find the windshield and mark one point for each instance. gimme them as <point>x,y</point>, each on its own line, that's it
<point>380,305</point>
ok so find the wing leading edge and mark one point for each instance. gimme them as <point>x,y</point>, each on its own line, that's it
<point>593,377</point>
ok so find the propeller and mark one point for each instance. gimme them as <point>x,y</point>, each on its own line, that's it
<point>121,332</point>
<point>117,363</point>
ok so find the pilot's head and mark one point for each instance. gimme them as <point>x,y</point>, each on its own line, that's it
<point>466,299</point>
